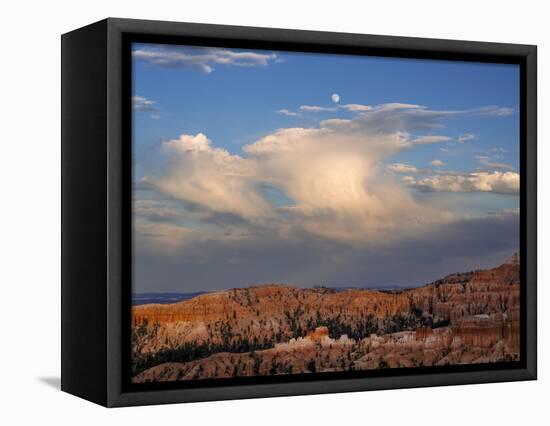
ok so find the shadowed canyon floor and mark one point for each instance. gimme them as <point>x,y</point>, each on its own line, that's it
<point>464,318</point>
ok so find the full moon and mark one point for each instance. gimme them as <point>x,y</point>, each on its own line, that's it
<point>335,98</point>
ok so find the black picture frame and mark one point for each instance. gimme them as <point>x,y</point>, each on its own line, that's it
<point>96,209</point>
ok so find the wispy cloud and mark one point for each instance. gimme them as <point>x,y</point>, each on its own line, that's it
<point>200,58</point>
<point>404,116</point>
<point>316,108</point>
<point>490,163</point>
<point>494,110</point>
<point>402,168</point>
<point>428,139</point>
<point>392,106</point>
<point>466,137</point>
<point>489,110</point>
<point>397,105</point>
<point>140,103</point>
<point>286,112</point>
<point>499,150</point>
<point>356,107</point>
<point>437,163</point>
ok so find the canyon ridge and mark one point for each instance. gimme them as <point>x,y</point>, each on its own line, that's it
<point>463,318</point>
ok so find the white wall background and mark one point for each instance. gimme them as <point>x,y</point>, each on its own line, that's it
<point>30,210</point>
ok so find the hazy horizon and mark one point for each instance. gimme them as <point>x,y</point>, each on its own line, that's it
<point>332,287</point>
<point>255,167</point>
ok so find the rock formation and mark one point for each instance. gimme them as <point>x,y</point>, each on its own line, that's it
<point>277,329</point>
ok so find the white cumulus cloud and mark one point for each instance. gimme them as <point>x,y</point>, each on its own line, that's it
<point>497,182</point>
<point>334,177</point>
<point>210,177</point>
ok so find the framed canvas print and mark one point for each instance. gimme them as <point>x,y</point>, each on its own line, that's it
<point>255,212</point>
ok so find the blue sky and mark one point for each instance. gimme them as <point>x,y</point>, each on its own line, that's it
<point>441,137</point>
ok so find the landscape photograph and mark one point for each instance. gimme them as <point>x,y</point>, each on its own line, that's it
<point>303,213</point>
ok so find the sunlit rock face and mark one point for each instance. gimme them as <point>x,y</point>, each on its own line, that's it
<point>272,329</point>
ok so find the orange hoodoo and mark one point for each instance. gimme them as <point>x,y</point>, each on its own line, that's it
<point>318,334</point>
